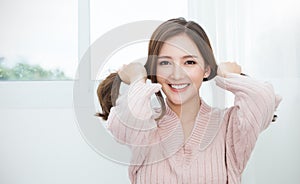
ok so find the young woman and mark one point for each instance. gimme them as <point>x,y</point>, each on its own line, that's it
<point>185,140</point>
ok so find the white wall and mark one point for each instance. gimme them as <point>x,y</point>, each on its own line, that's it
<point>275,158</point>
<point>45,146</point>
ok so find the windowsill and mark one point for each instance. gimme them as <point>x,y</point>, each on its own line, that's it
<point>36,94</point>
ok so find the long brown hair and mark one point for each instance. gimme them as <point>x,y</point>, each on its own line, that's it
<point>108,89</point>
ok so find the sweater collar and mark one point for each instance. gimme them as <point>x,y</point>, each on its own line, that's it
<point>206,126</point>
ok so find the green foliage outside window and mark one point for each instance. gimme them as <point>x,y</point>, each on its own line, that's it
<point>24,71</point>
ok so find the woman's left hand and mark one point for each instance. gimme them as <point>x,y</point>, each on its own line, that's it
<point>228,67</point>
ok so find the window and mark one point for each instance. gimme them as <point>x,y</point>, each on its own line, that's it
<point>38,40</point>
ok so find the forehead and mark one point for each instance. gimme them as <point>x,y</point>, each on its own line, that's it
<point>179,45</point>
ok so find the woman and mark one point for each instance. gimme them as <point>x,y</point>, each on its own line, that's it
<point>185,140</point>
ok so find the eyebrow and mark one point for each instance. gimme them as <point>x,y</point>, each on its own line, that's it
<point>183,57</point>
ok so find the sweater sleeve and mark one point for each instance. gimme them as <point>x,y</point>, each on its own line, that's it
<point>253,110</point>
<point>131,121</point>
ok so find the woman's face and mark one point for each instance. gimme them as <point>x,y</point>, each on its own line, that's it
<point>180,70</point>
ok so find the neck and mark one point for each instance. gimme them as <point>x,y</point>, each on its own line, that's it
<point>188,111</point>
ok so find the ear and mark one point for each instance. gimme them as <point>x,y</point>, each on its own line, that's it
<point>206,72</point>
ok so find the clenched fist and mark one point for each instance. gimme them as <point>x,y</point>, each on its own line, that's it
<point>132,72</point>
<point>228,67</point>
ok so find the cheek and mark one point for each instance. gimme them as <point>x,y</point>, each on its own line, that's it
<point>196,77</point>
<point>159,79</point>
<point>163,73</point>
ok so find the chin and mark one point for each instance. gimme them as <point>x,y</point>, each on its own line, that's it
<point>175,101</point>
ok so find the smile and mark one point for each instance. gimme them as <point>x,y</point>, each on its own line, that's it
<point>178,86</point>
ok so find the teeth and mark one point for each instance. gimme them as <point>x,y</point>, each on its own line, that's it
<point>179,86</point>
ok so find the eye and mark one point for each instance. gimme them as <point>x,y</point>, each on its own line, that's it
<point>190,62</point>
<point>164,63</point>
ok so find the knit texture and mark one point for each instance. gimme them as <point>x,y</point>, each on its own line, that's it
<point>219,146</point>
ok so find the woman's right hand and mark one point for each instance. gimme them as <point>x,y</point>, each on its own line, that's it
<point>132,72</point>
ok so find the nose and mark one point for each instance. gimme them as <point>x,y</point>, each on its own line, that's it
<point>177,72</point>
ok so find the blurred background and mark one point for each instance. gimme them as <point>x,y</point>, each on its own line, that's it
<point>42,43</point>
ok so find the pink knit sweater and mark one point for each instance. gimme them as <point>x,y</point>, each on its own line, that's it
<point>220,143</point>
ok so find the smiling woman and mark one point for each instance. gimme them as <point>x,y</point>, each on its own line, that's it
<point>185,140</point>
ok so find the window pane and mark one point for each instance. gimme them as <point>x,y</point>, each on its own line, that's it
<point>107,15</point>
<point>38,39</point>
